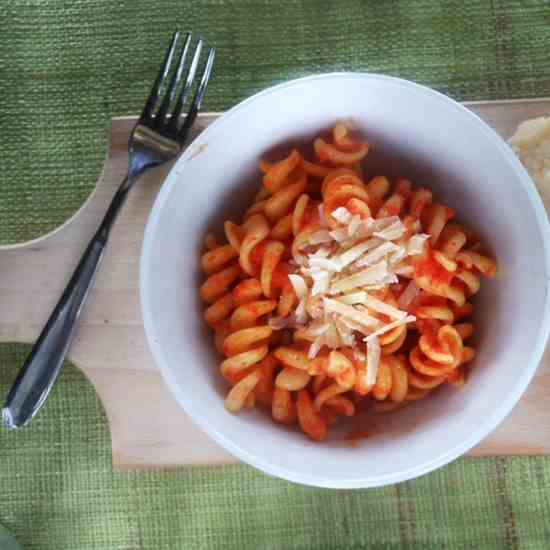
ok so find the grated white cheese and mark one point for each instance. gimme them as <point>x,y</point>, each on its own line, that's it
<point>416,244</point>
<point>348,263</point>
<point>394,231</point>
<point>317,329</point>
<point>300,312</point>
<point>345,332</point>
<point>315,347</point>
<point>350,312</point>
<point>342,215</point>
<point>322,252</point>
<point>363,230</point>
<point>320,237</point>
<point>382,223</point>
<point>398,255</point>
<point>340,235</point>
<point>408,295</point>
<point>353,298</point>
<point>356,326</point>
<point>351,255</point>
<point>321,282</point>
<point>372,303</point>
<point>378,253</point>
<point>373,360</point>
<point>329,264</point>
<point>299,286</point>
<point>388,279</point>
<point>331,337</point>
<point>354,224</point>
<point>370,276</point>
<point>381,307</point>
<point>390,326</point>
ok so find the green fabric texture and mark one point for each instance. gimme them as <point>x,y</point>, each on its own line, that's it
<point>7,542</point>
<point>60,492</point>
<point>69,65</point>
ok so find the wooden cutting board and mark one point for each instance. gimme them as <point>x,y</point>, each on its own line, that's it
<point>148,428</point>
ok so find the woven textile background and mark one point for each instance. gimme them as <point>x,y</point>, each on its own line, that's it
<point>59,492</point>
<point>66,67</point>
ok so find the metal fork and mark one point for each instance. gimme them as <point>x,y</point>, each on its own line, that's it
<point>156,139</point>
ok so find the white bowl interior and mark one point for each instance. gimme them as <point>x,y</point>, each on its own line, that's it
<point>413,132</point>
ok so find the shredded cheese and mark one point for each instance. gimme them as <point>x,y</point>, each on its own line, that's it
<point>388,279</point>
<point>415,245</point>
<point>318,329</point>
<point>382,223</point>
<point>331,337</point>
<point>408,295</point>
<point>377,254</point>
<point>342,215</point>
<point>381,307</point>
<point>373,360</point>
<point>315,348</point>
<point>340,235</point>
<point>325,263</point>
<point>320,237</point>
<point>354,224</point>
<point>369,276</point>
<point>323,252</point>
<point>356,326</point>
<point>299,286</point>
<point>353,298</point>
<point>390,326</point>
<point>394,231</point>
<point>345,332</point>
<point>350,255</point>
<point>350,312</point>
<point>340,270</point>
<point>396,256</point>
<point>300,312</point>
<point>321,282</point>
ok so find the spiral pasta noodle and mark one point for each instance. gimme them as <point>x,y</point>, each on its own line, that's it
<point>337,293</point>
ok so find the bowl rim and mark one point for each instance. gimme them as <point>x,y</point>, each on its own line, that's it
<point>266,465</point>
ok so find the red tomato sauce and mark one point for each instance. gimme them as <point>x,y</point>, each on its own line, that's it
<point>257,253</point>
<point>311,216</point>
<point>431,268</point>
<point>280,276</point>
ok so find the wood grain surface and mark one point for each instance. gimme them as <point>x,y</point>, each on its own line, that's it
<point>148,428</point>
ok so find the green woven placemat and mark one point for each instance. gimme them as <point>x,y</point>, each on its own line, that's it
<point>67,66</point>
<point>59,492</point>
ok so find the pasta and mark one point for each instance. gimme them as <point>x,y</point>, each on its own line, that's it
<point>335,293</point>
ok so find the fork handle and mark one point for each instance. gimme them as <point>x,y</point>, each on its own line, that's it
<point>41,368</point>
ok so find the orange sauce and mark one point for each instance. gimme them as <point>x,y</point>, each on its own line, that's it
<point>257,253</point>
<point>311,216</point>
<point>280,276</point>
<point>432,269</point>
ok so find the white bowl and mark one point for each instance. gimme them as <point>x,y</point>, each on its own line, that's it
<point>415,132</point>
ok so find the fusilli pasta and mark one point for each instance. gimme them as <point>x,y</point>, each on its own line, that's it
<point>335,292</point>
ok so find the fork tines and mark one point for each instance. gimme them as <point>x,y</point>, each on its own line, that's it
<point>169,95</point>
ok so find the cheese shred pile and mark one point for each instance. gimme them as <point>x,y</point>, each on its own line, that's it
<point>341,278</point>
